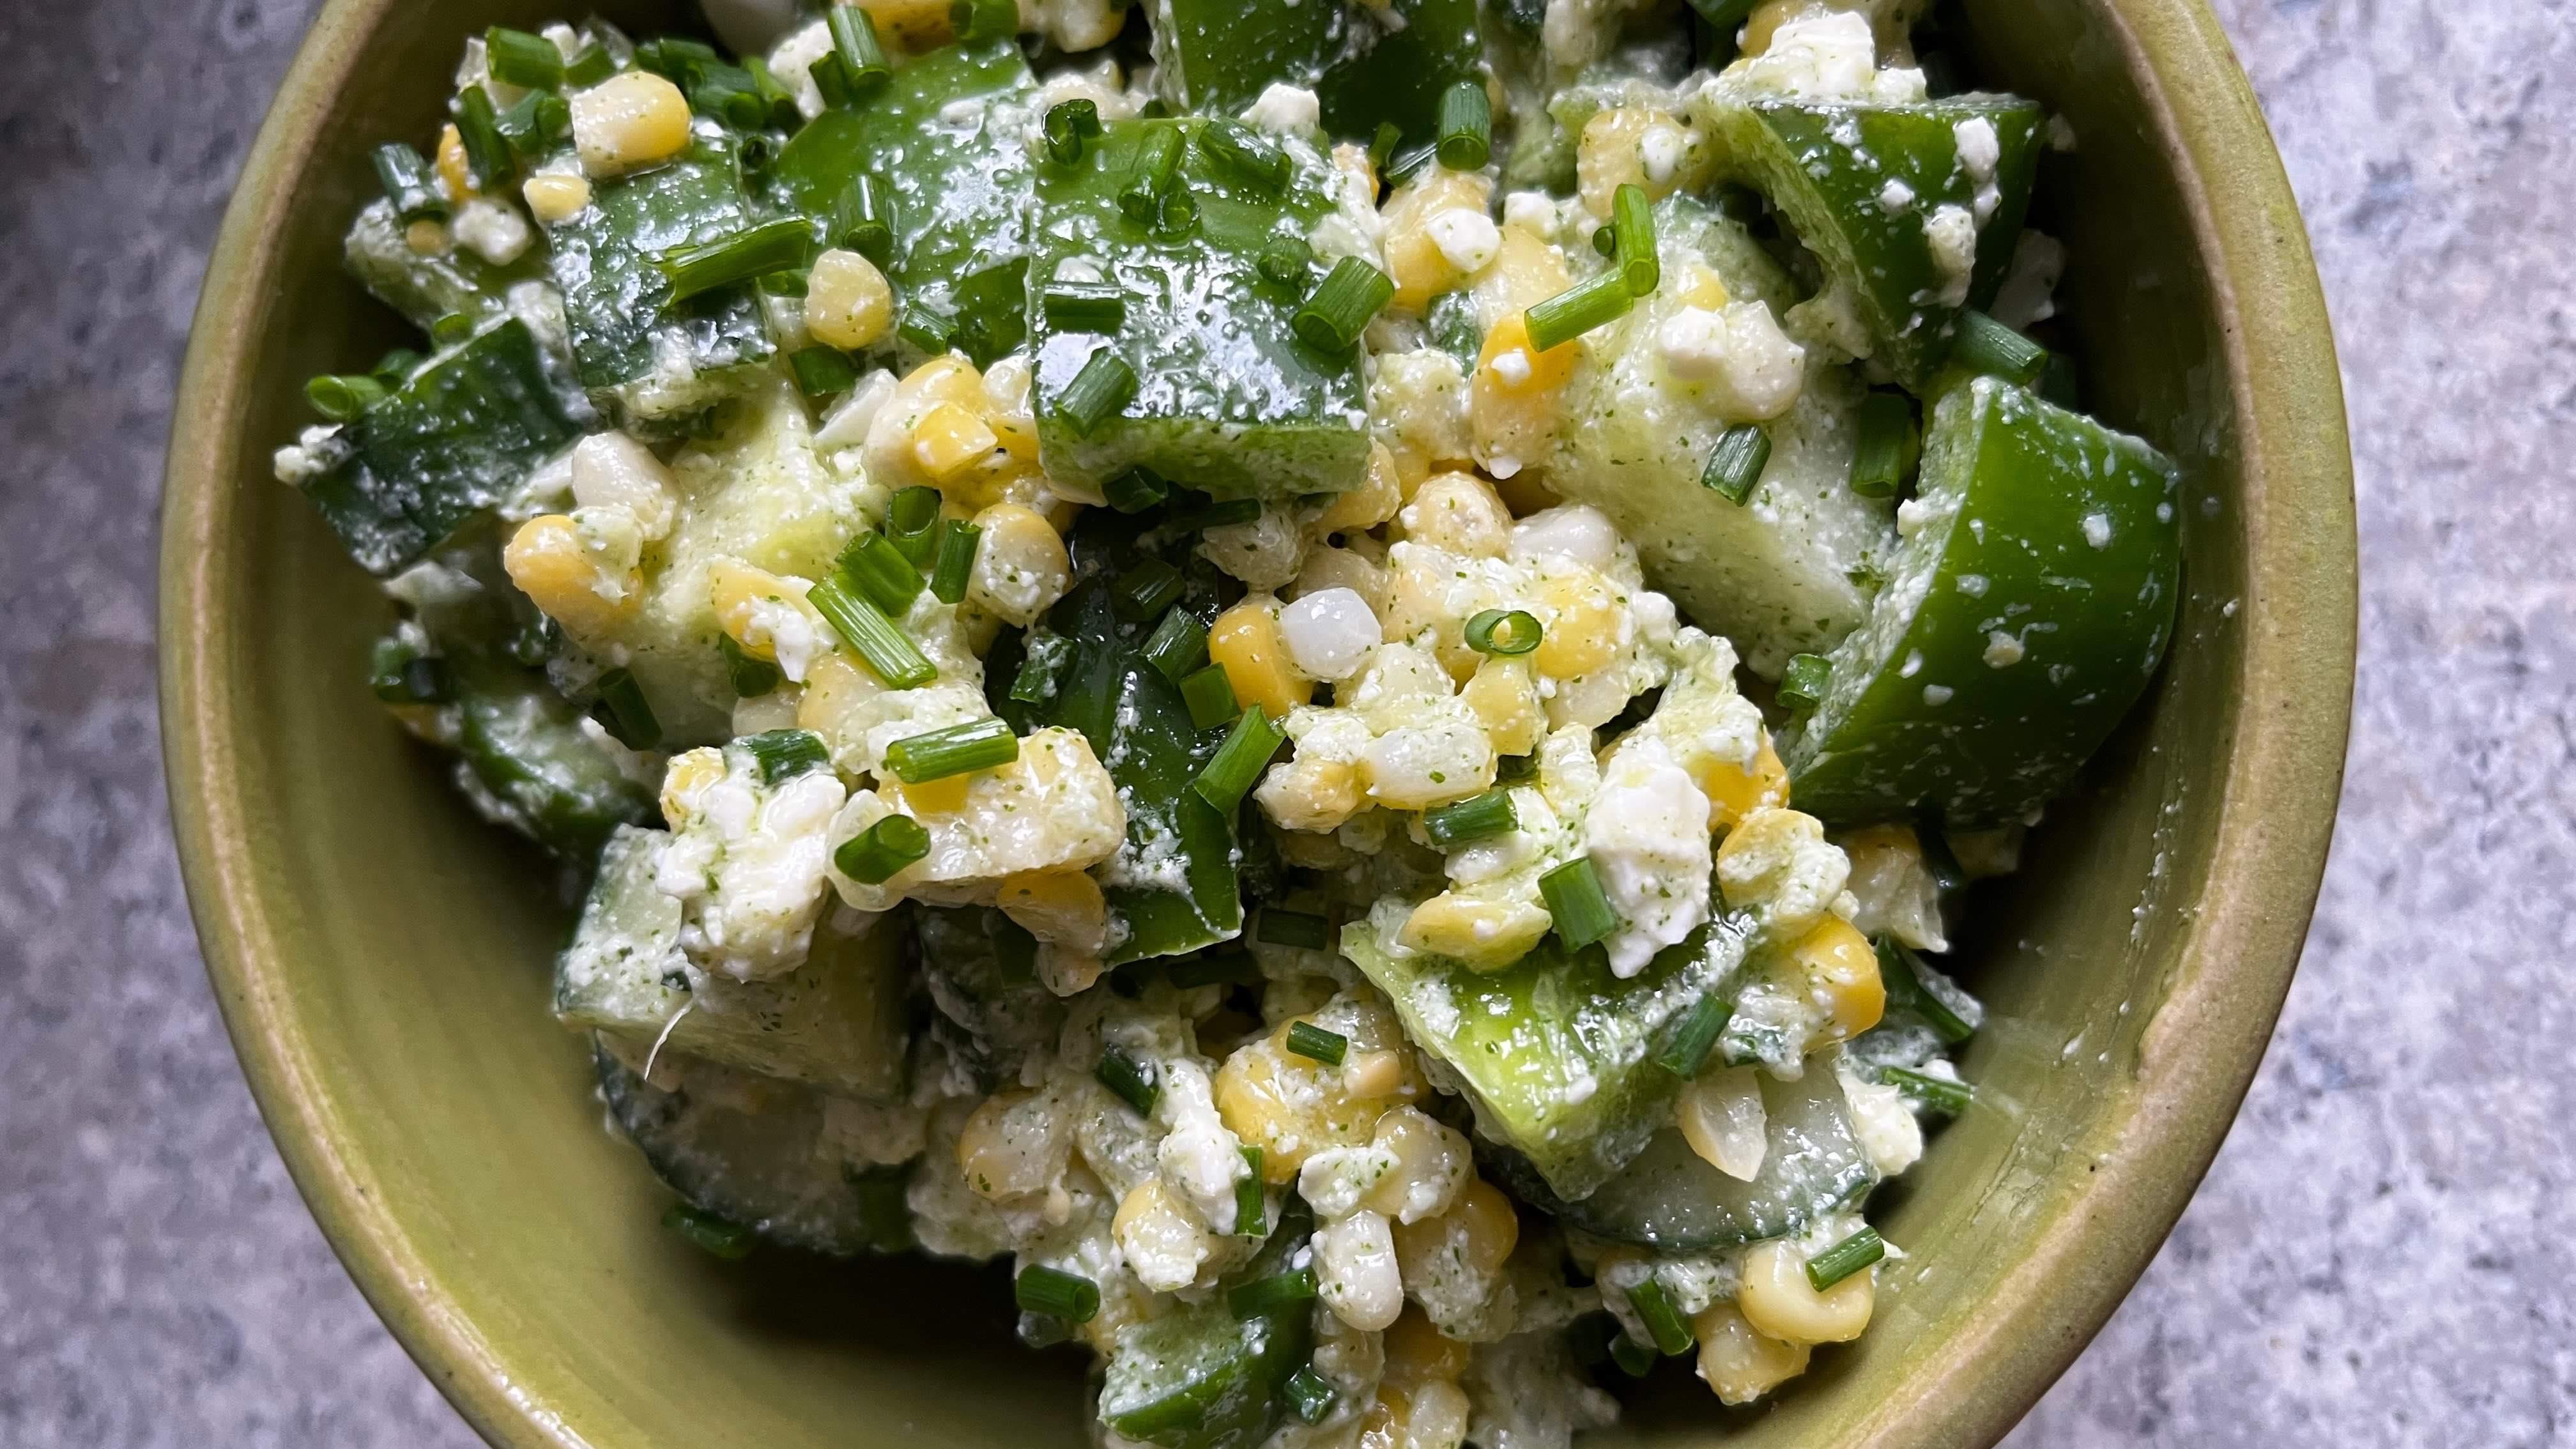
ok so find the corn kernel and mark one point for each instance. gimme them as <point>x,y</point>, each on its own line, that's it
<point>1012,1146</point>
<point>1373,1073</point>
<point>1417,1353</point>
<point>1311,794</point>
<point>1643,146</point>
<point>914,25</point>
<point>634,118</point>
<point>1527,269</point>
<point>770,620</point>
<point>1735,791</point>
<point>425,237</point>
<point>948,441</point>
<point>847,301</point>
<point>1458,513</point>
<point>1021,567</point>
<point>1064,907</point>
<point>930,797</point>
<point>1415,260</point>
<point>1779,1302</point>
<point>1841,968</point>
<point>1699,286</point>
<point>1485,934</point>
<point>455,169</point>
<point>1722,1118</point>
<point>1513,398</point>
<point>1475,1236</point>
<point>1292,1107</point>
<point>1245,642</point>
<point>1162,1243</point>
<point>1740,1362</point>
<point>554,195</point>
<point>1503,695</point>
<point>1582,627</point>
<point>1765,22</point>
<point>547,559</point>
<point>1374,502</point>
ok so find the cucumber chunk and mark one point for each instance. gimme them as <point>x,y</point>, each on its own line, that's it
<point>2029,608</point>
<point>1365,65</point>
<point>426,288</point>
<point>1227,400</point>
<point>1553,1052</point>
<point>980,968</point>
<point>1200,1379</point>
<point>836,1023</point>
<point>532,765</point>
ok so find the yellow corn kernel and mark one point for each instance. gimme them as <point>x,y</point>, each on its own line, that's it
<point>1642,146</point>
<point>1503,696</point>
<point>1373,1074</point>
<point>835,690</point>
<point>1740,1362</point>
<point>547,560</point>
<point>1417,1353</point>
<point>634,118</point>
<point>455,169</point>
<point>914,25</point>
<point>1459,513</point>
<point>425,237</point>
<point>689,775</point>
<point>1765,22</point>
<point>1429,1155</point>
<point>1245,642</point>
<point>1292,1107</point>
<point>1720,1115</point>
<point>1380,493</point>
<point>948,441</point>
<point>1384,1426</point>
<point>1841,967</point>
<point>736,593</point>
<point>1475,1236</point>
<point>1512,400</point>
<point>1007,409</point>
<point>931,797</point>
<point>1699,285</point>
<point>1735,791</point>
<point>1327,567</point>
<point>1064,907</point>
<point>555,195</point>
<point>1779,1302</point>
<point>1582,630</point>
<point>947,378</point>
<point>1311,794</point>
<point>1021,566</point>
<point>1485,934</point>
<point>1526,270</point>
<point>847,301</point>
<point>1011,1146</point>
<point>1419,269</point>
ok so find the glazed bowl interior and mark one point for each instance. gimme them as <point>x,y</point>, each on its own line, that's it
<point>382,955</point>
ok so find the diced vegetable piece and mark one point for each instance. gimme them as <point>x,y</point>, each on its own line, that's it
<point>980,968</point>
<point>533,764</point>
<point>1365,64</point>
<point>1879,192</point>
<point>1227,399</point>
<point>944,144</point>
<point>836,1023</point>
<point>425,288</point>
<point>1555,1054</point>
<point>2025,616</point>
<point>1200,1378</point>
<point>455,439</point>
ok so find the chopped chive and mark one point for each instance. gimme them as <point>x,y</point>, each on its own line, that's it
<point>588,67</point>
<point>1253,1299</point>
<point>1238,763</point>
<point>1310,1397</point>
<point>2059,384</point>
<point>1301,929</point>
<point>1232,966</point>
<point>1578,309</point>
<point>785,754</point>
<point>1897,972</point>
<point>752,677</point>
<point>794,283</point>
<point>535,125</point>
<point>912,524</point>
<point>1504,632</point>
<point>1726,15</point>
<point>981,20</point>
<point>1988,348</point>
<point>399,676</point>
<point>1098,392</point>
<point>1314,1043</point>
<point>1632,233</point>
<point>1224,513</point>
<point>1056,1293</point>
<point>1235,148</point>
<point>1475,818</point>
<point>1634,1359</point>
<point>1287,261</point>
<point>1157,172</point>
<point>1845,1258</point>
<point>704,266</point>
<point>451,329</point>
<point>719,1237</point>
<point>1466,127</point>
<point>1249,1217</point>
<point>1178,645</point>
<point>1406,164</point>
<point>926,328</point>
<point>394,366</point>
<point>1577,901</point>
<point>1210,697</point>
<point>778,104</point>
<point>876,639</point>
<point>1933,1094</point>
<point>1070,125</point>
<point>863,219</point>
<point>1145,590</point>
<point>1042,670</point>
<point>729,92</point>
<point>1341,305</point>
<point>1084,306</point>
<point>676,57</point>
<point>1664,1323</point>
<point>529,62</point>
<point>1605,241</point>
<point>823,371</point>
<point>1180,212</point>
<point>1688,1048</point>
<point>1133,1081</point>
<point>1886,438</point>
<point>487,151</point>
<point>1382,145</point>
<point>1736,461</point>
<point>1802,684</point>
<point>878,571</point>
<point>954,567</point>
<point>340,398</point>
<point>1136,490</point>
<point>958,749</point>
<point>863,65</point>
<point>624,712</point>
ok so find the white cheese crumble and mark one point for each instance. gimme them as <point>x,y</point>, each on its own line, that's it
<point>2002,650</point>
<point>1952,234</point>
<point>1466,239</point>
<point>1750,369</point>
<point>1286,109</point>
<point>1647,833</point>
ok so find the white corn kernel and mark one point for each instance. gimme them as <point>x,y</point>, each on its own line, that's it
<point>612,470</point>
<point>1777,1299</point>
<point>1358,1278</point>
<point>1021,567</point>
<point>631,119</point>
<point>553,196</point>
<point>847,301</point>
<point>1329,633</point>
<point>1722,1118</point>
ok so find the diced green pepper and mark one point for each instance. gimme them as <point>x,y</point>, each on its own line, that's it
<point>943,143</point>
<point>1555,1054</point>
<point>1199,1378</point>
<point>467,428</point>
<point>426,288</point>
<point>529,756</point>
<point>1227,399</point>
<point>2028,610</point>
<point>1868,186</point>
<point>1364,64</point>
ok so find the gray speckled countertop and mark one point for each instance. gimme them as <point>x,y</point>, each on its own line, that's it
<point>2371,1261</point>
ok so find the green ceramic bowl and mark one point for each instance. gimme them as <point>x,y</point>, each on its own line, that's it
<point>381,955</point>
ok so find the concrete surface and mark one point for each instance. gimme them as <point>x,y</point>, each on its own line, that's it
<point>2378,1257</point>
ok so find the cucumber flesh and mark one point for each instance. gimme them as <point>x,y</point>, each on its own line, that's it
<point>1200,1379</point>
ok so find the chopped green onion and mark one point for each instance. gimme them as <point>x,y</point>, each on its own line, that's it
<point>1300,929</point>
<point>1933,1094</point>
<point>1382,145</point>
<point>1178,645</point>
<point>1632,234</point>
<point>823,371</point>
<point>1249,1217</point>
<point>1341,305</point>
<point>2059,384</point>
<point>1505,632</point>
<point>1578,309</point>
<point>1236,148</point>
<point>1238,762</point>
<point>720,1237</point>
<point>926,328</point>
<point>879,573</point>
<point>912,524</point>
<point>1070,125</point>
<point>394,366</point>
<point>1084,306</point>
<point>1736,462</point>
<point>880,852</point>
<point>1210,697</point>
<point>341,398</point>
<point>1136,490</point>
<point>863,65</point>
<point>588,67</point>
<point>1726,15</point>
<point>863,218</point>
<point>1253,1299</point>
<point>1232,966</point>
<point>1605,241</point>
<point>1988,348</point>
<point>451,329</point>
<point>399,676</point>
<point>487,151</point>
<point>1132,1080</point>
<point>785,754</point>
<point>1898,973</point>
<point>702,267</point>
<point>1309,1395</point>
<point>1146,590</point>
<point>1287,261</point>
<point>1156,174</point>
<point>1575,898</point>
<point>1845,1258</point>
<point>954,568</point>
<point>1886,438</point>
<point>536,125</point>
<point>675,57</point>
<point>624,712</point>
<point>1314,1043</point>
<point>1475,818</point>
<point>1098,392</point>
<point>1466,126</point>
<point>981,20</point>
<point>752,676</point>
<point>958,749</point>
<point>529,62</point>
<point>1802,684</point>
<point>1056,1293</point>
<point>1634,1359</point>
<point>1042,671</point>
<point>1687,1050</point>
<point>1406,164</point>
<point>876,639</point>
<point>1224,513</point>
<point>777,103</point>
<point>1664,1323</point>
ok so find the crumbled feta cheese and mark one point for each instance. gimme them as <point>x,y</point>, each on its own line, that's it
<point>1576,533</point>
<point>1286,109</point>
<point>1827,55</point>
<point>1980,151</point>
<point>2002,650</point>
<point>1880,1119</point>
<point>746,860</point>
<point>1750,369</point>
<point>1895,198</point>
<point>1335,1181</point>
<point>492,230</point>
<point>1197,1155</point>
<point>1466,239</point>
<point>2097,529</point>
<point>1952,235</point>
<point>792,61</point>
<point>1660,150</point>
<point>1532,211</point>
<point>1647,834</point>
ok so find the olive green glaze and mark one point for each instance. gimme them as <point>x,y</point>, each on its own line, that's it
<point>381,955</point>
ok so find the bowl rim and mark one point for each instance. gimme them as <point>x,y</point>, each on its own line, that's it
<point>2237,957</point>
